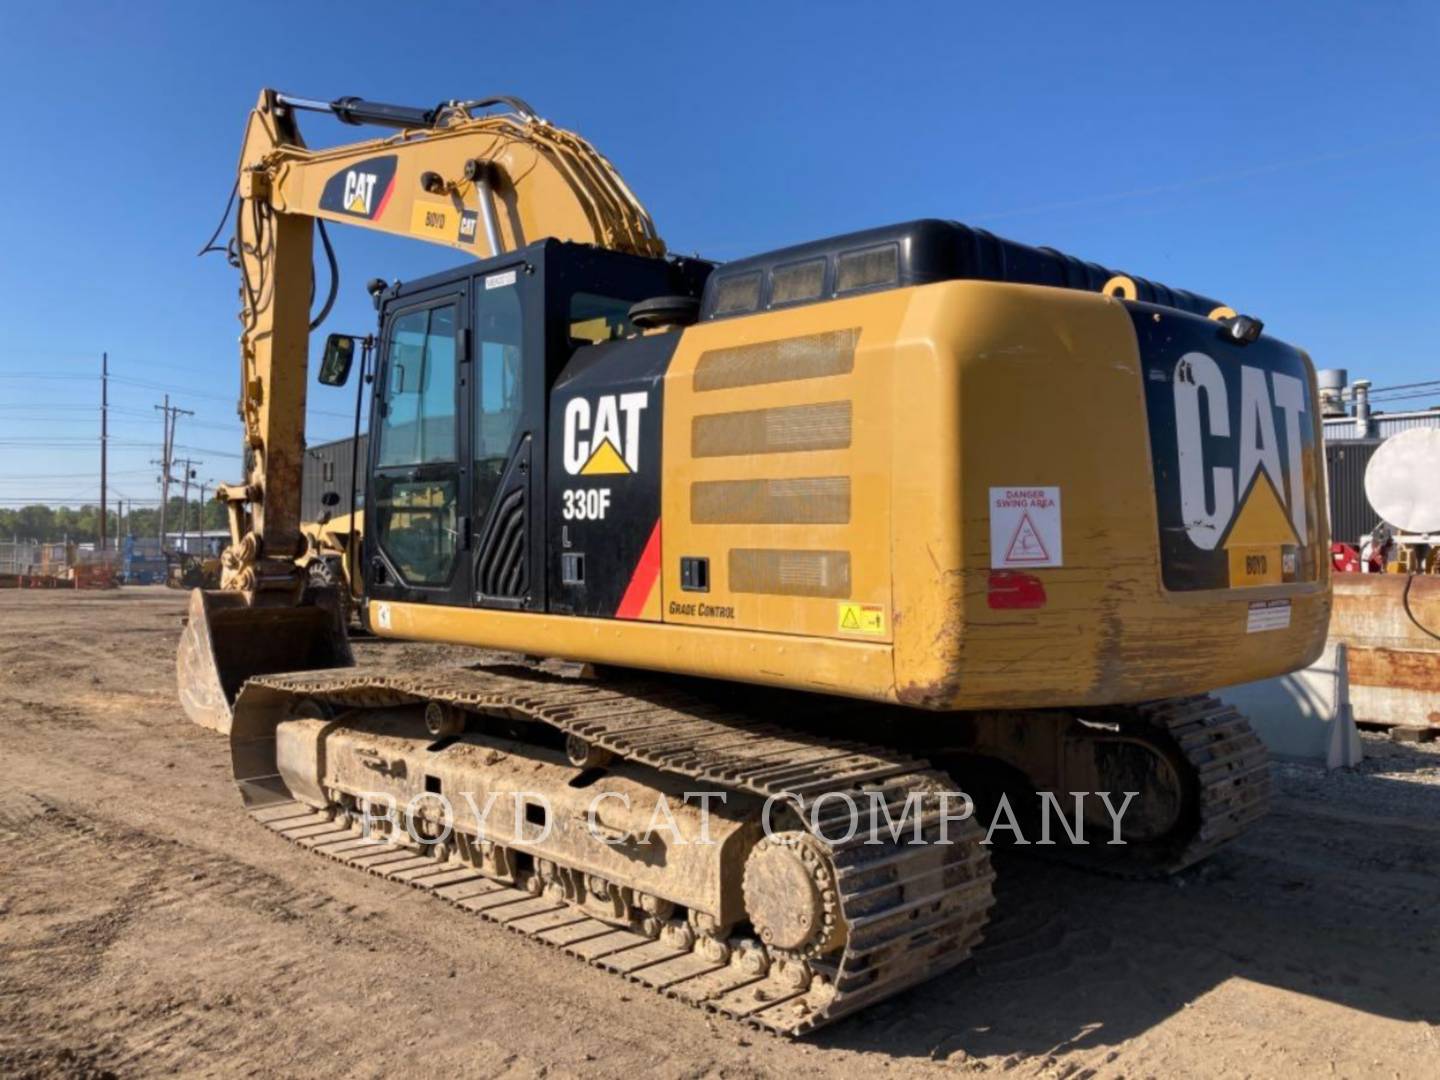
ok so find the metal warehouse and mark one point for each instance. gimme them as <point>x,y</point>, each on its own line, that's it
<point>331,467</point>
<point>1353,432</point>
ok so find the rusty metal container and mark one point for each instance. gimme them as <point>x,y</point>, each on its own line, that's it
<point>1391,624</point>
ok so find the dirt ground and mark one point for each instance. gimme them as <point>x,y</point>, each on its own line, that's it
<point>147,927</point>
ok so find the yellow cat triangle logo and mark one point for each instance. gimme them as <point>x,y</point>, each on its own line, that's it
<point>1262,520</point>
<point>1259,537</point>
<point>605,461</point>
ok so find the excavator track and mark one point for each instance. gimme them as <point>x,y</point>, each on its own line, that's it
<point>907,911</point>
<point>1228,775</point>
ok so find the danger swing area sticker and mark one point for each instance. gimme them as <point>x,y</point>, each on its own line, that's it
<point>1025,527</point>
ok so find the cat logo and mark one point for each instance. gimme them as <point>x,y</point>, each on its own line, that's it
<point>1235,443</point>
<point>1210,486</point>
<point>359,191</point>
<point>468,220</point>
<point>363,190</point>
<point>604,440</point>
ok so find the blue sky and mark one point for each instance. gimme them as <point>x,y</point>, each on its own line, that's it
<point>1282,157</point>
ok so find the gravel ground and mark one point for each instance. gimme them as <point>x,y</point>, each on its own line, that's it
<point>1394,779</point>
<point>147,928</point>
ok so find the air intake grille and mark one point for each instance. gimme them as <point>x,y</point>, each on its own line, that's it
<point>825,426</point>
<point>811,500</point>
<point>798,281</point>
<point>502,564</point>
<point>738,294</point>
<point>868,267</point>
<point>790,573</point>
<point>809,357</point>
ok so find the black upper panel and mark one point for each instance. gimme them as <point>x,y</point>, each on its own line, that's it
<point>1226,419</point>
<point>912,253</point>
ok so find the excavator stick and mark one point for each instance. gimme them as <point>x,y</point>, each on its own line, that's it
<point>227,641</point>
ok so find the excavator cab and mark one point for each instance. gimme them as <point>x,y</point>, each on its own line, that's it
<point>457,462</point>
<point>460,419</point>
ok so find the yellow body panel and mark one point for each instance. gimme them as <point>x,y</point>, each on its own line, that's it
<point>827,666</point>
<point>865,465</point>
<point>954,388</point>
<point>1022,386</point>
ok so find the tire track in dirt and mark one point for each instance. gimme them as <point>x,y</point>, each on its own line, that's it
<point>158,879</point>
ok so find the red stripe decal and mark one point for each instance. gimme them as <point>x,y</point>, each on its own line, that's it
<point>385,199</point>
<point>632,604</point>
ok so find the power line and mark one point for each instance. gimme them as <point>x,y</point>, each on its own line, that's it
<point>131,425</point>
<point>1400,398</point>
<point>1402,386</point>
<point>71,442</point>
<point>209,450</point>
<point>147,385</point>
<point>68,406</point>
<point>146,365</point>
<point>71,476</point>
<point>67,378</point>
<point>50,500</point>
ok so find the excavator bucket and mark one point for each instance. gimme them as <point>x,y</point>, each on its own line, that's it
<point>227,641</point>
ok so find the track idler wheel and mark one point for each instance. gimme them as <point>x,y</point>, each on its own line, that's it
<point>790,895</point>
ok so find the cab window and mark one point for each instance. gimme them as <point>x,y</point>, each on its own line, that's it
<point>418,417</point>
<point>416,482</point>
<point>595,318</point>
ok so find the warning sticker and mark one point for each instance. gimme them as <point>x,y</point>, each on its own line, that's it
<point>862,618</point>
<point>1025,527</point>
<point>1268,615</point>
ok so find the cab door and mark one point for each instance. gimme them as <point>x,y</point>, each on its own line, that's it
<point>507,379</point>
<point>417,512</point>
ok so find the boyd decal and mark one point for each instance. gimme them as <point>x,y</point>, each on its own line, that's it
<point>1232,431</point>
<point>603,438</point>
<point>363,190</point>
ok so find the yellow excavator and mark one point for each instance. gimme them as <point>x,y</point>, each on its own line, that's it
<point>865,522</point>
<point>332,552</point>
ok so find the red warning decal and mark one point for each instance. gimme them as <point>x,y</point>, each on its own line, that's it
<point>1011,590</point>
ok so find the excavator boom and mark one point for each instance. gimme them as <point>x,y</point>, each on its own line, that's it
<point>482,183</point>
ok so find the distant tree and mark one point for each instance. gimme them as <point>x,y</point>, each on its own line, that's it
<point>36,522</point>
<point>81,524</point>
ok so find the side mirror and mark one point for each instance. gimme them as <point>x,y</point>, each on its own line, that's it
<point>339,355</point>
<point>330,498</point>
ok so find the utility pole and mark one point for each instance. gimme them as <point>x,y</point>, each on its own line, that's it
<point>187,473</point>
<point>104,436</point>
<point>209,481</point>
<point>171,414</point>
